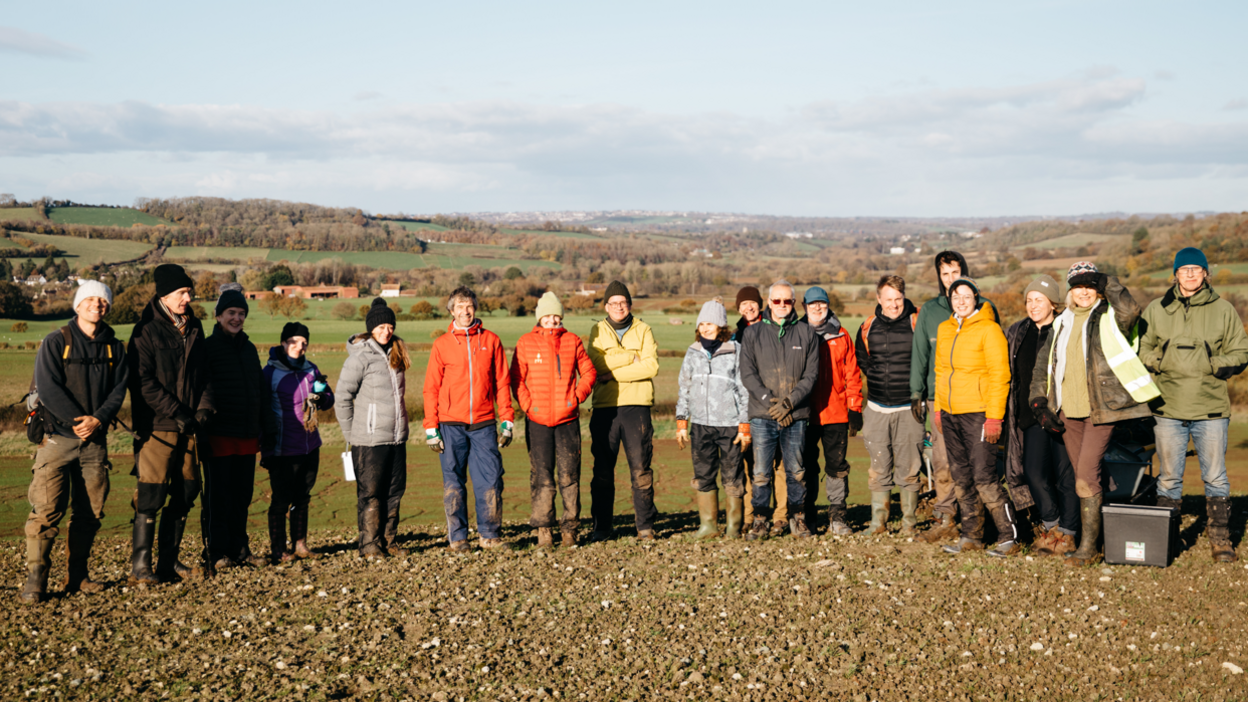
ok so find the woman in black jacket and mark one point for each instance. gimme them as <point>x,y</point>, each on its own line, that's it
<point>243,425</point>
<point>1038,468</point>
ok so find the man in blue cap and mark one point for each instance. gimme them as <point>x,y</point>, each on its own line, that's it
<point>1192,341</point>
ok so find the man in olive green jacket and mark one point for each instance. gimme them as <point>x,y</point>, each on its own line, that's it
<point>1192,341</point>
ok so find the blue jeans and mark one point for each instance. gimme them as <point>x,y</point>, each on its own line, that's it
<point>471,453</point>
<point>767,436</point>
<point>1209,436</point>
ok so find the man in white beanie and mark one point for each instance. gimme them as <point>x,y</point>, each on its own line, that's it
<point>80,378</point>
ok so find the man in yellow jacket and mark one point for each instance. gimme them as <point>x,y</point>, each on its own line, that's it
<point>623,352</point>
<point>972,385</point>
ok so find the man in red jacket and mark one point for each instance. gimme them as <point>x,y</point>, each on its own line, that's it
<point>467,375</point>
<point>837,412</point>
<point>551,375</point>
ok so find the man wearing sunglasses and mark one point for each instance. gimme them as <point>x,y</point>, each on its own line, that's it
<point>779,368</point>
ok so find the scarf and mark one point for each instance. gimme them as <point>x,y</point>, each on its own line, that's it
<point>830,327</point>
<point>710,346</point>
<point>623,325</point>
<point>178,320</point>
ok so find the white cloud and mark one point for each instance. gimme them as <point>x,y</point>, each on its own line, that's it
<point>18,41</point>
<point>928,151</point>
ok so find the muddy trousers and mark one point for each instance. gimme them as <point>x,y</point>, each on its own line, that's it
<point>946,498</point>
<point>715,456</point>
<point>472,454</point>
<point>166,467</point>
<point>892,441</point>
<point>380,481</point>
<point>973,466</point>
<point>609,427</point>
<point>554,464</point>
<point>780,488</point>
<point>229,482</point>
<point>1086,443</point>
<point>835,439</point>
<point>291,479</point>
<point>1209,438</point>
<point>69,474</point>
<point>769,437</point>
<point>1051,477</point>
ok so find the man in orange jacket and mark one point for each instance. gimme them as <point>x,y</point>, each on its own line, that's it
<point>467,375</point>
<point>551,375</point>
<point>837,404</point>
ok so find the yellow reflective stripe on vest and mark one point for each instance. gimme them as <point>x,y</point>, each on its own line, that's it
<point>1126,365</point>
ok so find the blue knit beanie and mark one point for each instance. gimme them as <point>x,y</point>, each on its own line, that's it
<point>1191,256</point>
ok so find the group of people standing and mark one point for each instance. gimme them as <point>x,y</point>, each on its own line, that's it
<point>755,405</point>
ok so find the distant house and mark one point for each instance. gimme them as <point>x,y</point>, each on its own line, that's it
<point>391,289</point>
<point>36,280</point>
<point>316,292</point>
<point>592,289</point>
<point>897,250</point>
<point>257,294</point>
<point>798,235</point>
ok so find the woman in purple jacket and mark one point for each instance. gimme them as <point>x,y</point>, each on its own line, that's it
<point>299,390</point>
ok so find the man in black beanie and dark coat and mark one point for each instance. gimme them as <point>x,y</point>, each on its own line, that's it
<point>232,438</point>
<point>168,403</point>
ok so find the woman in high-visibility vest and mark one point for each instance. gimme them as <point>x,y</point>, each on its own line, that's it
<point>1088,379</point>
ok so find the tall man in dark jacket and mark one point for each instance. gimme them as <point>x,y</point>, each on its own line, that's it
<point>167,377</point>
<point>779,368</point>
<point>950,265</point>
<point>752,308</point>
<point>892,437</point>
<point>80,377</point>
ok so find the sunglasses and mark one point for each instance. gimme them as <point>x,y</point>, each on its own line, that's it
<point>783,303</point>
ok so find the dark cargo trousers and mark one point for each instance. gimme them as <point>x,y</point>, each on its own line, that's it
<point>973,467</point>
<point>166,466</point>
<point>380,481</point>
<point>68,474</point>
<point>715,456</point>
<point>292,479</point>
<point>554,463</point>
<point>946,500</point>
<point>835,440</point>
<point>608,428</point>
<point>229,482</point>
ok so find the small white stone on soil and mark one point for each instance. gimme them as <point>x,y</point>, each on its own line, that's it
<point>485,669</point>
<point>1105,578</point>
<point>1235,670</point>
<point>226,634</point>
<point>1093,608</point>
<point>1037,646</point>
<point>966,654</point>
<point>322,593</point>
<point>606,604</point>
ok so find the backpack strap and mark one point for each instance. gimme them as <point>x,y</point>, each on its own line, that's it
<point>68,345</point>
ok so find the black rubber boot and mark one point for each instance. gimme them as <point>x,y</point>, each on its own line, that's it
<point>143,535</point>
<point>38,564</point>
<point>370,534</point>
<point>78,554</point>
<point>168,568</point>
<point>1218,510</point>
<point>1088,552</point>
<point>277,537</point>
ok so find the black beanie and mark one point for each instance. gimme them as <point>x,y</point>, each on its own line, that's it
<point>231,296</point>
<point>170,277</point>
<point>295,329</point>
<point>617,288</point>
<point>378,314</point>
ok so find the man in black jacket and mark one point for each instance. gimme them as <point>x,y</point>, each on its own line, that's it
<point>779,367</point>
<point>890,432</point>
<point>167,399</point>
<point>80,378</point>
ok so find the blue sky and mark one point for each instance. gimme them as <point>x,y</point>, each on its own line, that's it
<point>802,108</point>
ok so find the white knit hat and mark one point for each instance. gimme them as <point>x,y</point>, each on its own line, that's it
<point>713,311</point>
<point>92,288</point>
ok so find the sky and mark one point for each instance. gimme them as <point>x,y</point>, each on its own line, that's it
<point>951,108</point>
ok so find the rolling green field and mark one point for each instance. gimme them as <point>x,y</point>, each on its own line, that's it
<point>543,232</point>
<point>92,250</point>
<point>19,214</point>
<point>393,260</point>
<point>417,226</point>
<point>437,256</point>
<point>241,254</point>
<point>1069,240</point>
<point>103,216</point>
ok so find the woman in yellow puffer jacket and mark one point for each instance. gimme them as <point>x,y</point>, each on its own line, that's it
<point>972,384</point>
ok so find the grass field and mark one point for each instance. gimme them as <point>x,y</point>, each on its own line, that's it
<point>103,216</point>
<point>241,254</point>
<point>543,232</point>
<point>393,260</point>
<point>1077,239</point>
<point>437,256</point>
<point>93,250</point>
<point>417,226</point>
<point>19,214</point>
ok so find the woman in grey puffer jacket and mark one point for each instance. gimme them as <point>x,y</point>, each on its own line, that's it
<point>373,416</point>
<point>715,402</point>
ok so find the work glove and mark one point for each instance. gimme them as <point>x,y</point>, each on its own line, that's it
<point>682,433</point>
<point>186,423</point>
<point>743,436</point>
<point>855,422</point>
<point>504,439</point>
<point>319,386</point>
<point>1101,281</point>
<point>202,417</point>
<point>433,439</point>
<point>918,409</point>
<point>992,430</point>
<point>936,420</point>
<point>781,411</point>
<point>1049,421</point>
<point>268,442</point>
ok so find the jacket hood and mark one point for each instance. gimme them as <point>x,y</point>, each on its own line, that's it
<point>984,313</point>
<point>555,333</point>
<point>476,328</point>
<point>966,270</point>
<point>907,309</point>
<point>279,359</point>
<point>831,325</point>
<point>726,347</point>
<point>1172,303</point>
